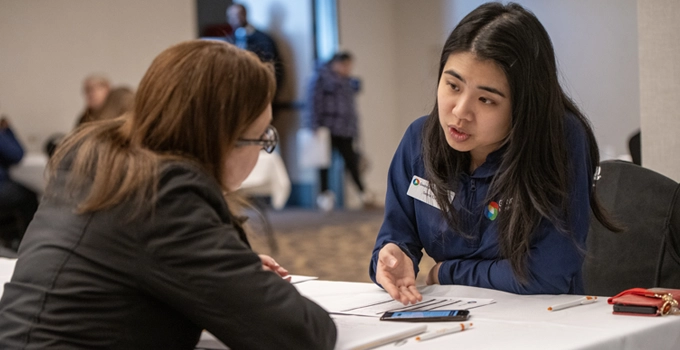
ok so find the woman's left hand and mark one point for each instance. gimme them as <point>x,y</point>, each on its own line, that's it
<point>269,264</point>
<point>433,275</point>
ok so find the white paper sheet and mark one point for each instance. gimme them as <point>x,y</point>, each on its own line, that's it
<point>6,271</point>
<point>300,278</point>
<point>370,304</point>
<point>358,333</point>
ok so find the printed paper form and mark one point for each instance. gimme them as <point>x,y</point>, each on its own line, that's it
<point>370,304</point>
<point>6,271</point>
<point>366,333</point>
<point>299,278</point>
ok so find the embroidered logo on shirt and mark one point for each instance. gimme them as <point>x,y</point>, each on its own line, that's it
<point>491,211</point>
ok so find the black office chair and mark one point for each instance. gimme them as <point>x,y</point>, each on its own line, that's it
<point>647,253</point>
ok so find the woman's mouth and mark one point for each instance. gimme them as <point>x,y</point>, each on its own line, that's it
<point>457,134</point>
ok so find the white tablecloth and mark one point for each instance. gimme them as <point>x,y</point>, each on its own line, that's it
<point>30,172</point>
<point>6,271</point>
<point>513,322</point>
<point>268,178</point>
<point>523,321</point>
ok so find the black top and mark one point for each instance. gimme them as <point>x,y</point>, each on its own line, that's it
<point>115,280</point>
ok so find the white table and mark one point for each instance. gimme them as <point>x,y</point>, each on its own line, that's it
<point>268,178</point>
<point>30,172</point>
<point>513,322</point>
<point>523,321</point>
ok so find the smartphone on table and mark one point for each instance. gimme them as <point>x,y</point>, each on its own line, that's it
<point>426,316</point>
<point>635,309</point>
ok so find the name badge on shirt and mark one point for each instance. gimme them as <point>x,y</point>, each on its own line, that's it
<point>420,190</point>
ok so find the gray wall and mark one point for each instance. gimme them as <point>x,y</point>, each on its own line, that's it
<point>596,47</point>
<point>659,32</point>
<point>397,44</point>
<point>48,46</point>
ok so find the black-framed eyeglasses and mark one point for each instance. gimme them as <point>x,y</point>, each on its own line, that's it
<point>268,141</point>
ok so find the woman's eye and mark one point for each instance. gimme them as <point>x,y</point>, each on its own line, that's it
<point>454,86</point>
<point>486,101</point>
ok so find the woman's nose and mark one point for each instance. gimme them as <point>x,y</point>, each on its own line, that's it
<point>463,109</point>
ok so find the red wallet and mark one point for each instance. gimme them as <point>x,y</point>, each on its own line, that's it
<point>660,301</point>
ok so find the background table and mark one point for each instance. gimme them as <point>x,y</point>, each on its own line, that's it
<point>30,172</point>
<point>268,178</point>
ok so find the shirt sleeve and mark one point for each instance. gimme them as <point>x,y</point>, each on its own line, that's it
<point>197,264</point>
<point>554,263</point>
<point>399,226</point>
<point>11,151</point>
<point>555,258</point>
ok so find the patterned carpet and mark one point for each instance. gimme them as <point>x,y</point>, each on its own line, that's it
<point>333,246</point>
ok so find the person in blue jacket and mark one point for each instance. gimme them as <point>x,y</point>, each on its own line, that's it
<point>16,200</point>
<point>496,184</point>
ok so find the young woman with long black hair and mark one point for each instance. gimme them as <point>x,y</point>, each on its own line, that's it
<point>496,184</point>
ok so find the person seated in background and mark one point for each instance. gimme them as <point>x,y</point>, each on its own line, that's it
<point>496,184</point>
<point>17,203</point>
<point>95,89</point>
<point>119,101</point>
<point>134,245</point>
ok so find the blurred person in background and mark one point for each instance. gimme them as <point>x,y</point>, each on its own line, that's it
<point>118,102</point>
<point>331,102</point>
<point>95,89</point>
<point>245,36</point>
<point>17,203</point>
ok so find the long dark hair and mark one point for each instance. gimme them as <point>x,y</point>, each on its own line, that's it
<point>533,171</point>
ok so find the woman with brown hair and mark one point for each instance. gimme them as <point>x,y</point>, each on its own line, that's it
<point>134,246</point>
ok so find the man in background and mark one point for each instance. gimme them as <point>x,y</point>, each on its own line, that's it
<point>247,37</point>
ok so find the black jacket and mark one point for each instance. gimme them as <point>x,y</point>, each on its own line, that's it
<point>116,280</point>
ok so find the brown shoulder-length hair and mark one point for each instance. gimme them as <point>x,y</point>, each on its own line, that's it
<point>193,103</point>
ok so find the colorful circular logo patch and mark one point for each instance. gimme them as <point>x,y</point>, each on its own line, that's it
<point>491,211</point>
<point>416,182</point>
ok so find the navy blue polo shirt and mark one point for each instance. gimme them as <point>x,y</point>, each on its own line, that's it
<point>555,258</point>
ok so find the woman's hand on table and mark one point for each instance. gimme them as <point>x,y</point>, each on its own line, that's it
<point>269,264</point>
<point>395,274</point>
